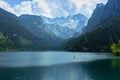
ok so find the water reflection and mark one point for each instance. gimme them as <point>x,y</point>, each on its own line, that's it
<point>115,63</point>
<point>104,69</point>
<point>96,70</point>
<point>58,66</point>
<point>59,72</point>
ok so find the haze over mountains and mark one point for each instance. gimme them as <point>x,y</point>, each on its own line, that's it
<point>38,27</point>
<point>66,27</point>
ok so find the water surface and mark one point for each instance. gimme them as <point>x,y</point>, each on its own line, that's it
<point>58,66</point>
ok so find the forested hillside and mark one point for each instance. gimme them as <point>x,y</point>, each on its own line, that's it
<point>13,36</point>
<point>99,39</point>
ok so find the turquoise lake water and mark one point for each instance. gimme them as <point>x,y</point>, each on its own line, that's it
<point>58,66</point>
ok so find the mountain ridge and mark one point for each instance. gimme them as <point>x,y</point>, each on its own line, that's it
<point>102,13</point>
<point>97,40</point>
<point>66,27</point>
<point>37,26</point>
<point>102,30</point>
<point>14,37</point>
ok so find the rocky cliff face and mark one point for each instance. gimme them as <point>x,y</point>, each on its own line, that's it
<point>38,27</point>
<point>102,13</point>
<point>66,27</point>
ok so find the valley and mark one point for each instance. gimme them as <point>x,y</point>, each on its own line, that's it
<point>70,33</point>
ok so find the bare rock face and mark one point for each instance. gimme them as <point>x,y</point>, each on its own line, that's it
<point>103,12</point>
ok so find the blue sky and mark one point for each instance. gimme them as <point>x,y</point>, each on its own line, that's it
<point>50,8</point>
<point>14,2</point>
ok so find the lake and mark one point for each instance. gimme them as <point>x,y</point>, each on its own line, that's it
<point>58,66</point>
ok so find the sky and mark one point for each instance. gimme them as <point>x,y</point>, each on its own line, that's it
<point>50,8</point>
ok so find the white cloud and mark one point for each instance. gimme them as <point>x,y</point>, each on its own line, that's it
<point>57,10</point>
<point>42,5</point>
<point>52,8</point>
<point>36,7</point>
<point>6,6</point>
<point>86,6</point>
<point>24,8</point>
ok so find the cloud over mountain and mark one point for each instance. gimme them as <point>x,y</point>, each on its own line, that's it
<point>51,8</point>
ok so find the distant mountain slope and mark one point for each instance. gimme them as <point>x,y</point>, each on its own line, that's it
<point>13,36</point>
<point>38,27</point>
<point>66,27</point>
<point>99,39</point>
<point>102,13</point>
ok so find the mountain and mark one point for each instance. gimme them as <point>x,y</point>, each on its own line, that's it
<point>76,34</point>
<point>66,27</point>
<point>97,40</point>
<point>38,27</point>
<point>102,13</point>
<point>102,30</point>
<point>13,36</point>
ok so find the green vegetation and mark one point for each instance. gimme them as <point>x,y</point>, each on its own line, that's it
<point>14,37</point>
<point>19,43</point>
<point>97,40</point>
<point>115,48</point>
